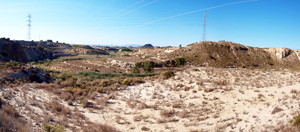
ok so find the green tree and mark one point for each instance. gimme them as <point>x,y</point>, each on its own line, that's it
<point>136,67</point>
<point>148,67</point>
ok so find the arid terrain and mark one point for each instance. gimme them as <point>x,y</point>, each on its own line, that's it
<point>207,86</point>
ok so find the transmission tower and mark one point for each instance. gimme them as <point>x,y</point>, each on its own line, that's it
<point>204,29</point>
<point>29,26</point>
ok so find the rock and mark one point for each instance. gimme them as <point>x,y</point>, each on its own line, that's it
<point>34,75</point>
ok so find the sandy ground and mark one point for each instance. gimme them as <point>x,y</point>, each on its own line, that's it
<point>196,99</point>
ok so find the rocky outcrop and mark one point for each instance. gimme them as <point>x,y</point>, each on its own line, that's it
<point>10,50</point>
<point>13,50</point>
<point>32,74</point>
<point>283,53</point>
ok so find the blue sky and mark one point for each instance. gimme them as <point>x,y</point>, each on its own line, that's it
<point>262,23</point>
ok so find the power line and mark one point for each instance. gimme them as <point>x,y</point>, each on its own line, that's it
<point>29,26</point>
<point>186,13</point>
<point>132,10</point>
<point>204,29</point>
<point>116,13</point>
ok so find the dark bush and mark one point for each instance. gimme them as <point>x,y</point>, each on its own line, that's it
<point>41,48</point>
<point>180,61</point>
<point>0,103</point>
<point>168,74</point>
<point>148,67</point>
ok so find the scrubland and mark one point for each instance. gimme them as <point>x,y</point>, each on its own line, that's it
<point>188,98</point>
<point>145,90</point>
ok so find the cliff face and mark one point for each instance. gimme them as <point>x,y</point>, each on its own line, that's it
<point>12,50</point>
<point>228,54</point>
<point>284,53</point>
<point>284,56</point>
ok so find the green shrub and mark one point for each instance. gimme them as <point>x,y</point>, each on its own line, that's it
<point>296,121</point>
<point>12,63</point>
<point>125,82</point>
<point>148,67</point>
<point>136,68</point>
<point>49,128</point>
<point>47,62</point>
<point>41,48</point>
<point>180,61</point>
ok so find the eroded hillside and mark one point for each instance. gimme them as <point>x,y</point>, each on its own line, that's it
<point>228,54</point>
<point>13,50</point>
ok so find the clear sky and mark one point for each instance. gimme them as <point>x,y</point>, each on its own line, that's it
<point>262,23</point>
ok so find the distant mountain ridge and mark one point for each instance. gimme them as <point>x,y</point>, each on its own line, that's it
<point>147,46</point>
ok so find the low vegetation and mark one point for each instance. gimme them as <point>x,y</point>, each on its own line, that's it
<point>92,76</point>
<point>12,63</point>
<point>50,128</point>
<point>296,121</point>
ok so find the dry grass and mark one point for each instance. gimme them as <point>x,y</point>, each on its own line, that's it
<point>10,120</point>
<point>183,114</point>
<point>138,118</point>
<point>144,128</point>
<point>93,127</point>
<point>167,113</point>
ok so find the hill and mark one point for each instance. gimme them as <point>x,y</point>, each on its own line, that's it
<point>229,54</point>
<point>146,46</point>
